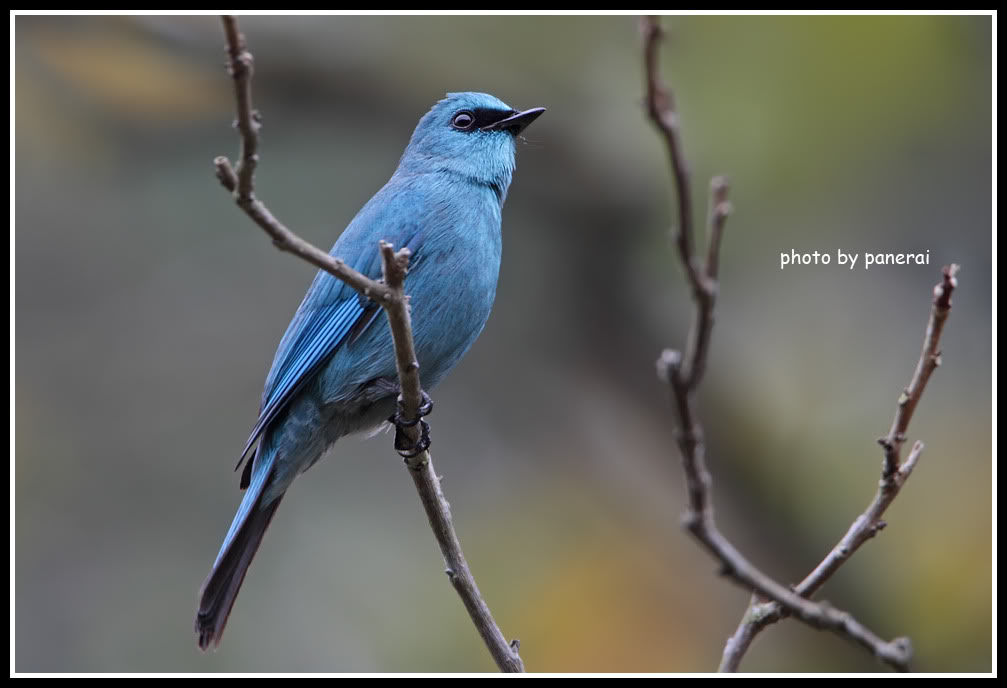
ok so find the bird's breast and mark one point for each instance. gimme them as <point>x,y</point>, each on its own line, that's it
<point>453,288</point>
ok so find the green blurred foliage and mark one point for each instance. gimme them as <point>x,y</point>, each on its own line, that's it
<point>148,310</point>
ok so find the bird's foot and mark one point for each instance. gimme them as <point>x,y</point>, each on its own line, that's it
<point>400,420</point>
<point>406,448</point>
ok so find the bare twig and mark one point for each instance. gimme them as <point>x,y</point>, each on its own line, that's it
<point>421,469</point>
<point>661,109</point>
<point>930,358</point>
<point>391,296</point>
<point>428,485</point>
<point>683,374</point>
<point>761,613</point>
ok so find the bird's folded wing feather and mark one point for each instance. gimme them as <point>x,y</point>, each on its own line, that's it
<point>329,312</point>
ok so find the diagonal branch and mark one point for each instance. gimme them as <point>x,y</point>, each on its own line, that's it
<point>683,373</point>
<point>388,293</point>
<point>761,613</point>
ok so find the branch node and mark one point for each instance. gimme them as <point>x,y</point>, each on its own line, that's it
<point>877,528</point>
<point>904,646</point>
<point>670,360</point>
<point>416,463</point>
<point>725,570</point>
<point>691,520</point>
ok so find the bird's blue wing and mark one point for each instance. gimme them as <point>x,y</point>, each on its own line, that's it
<point>317,336</point>
<point>331,310</point>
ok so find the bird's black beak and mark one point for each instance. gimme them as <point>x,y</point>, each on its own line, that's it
<point>516,122</point>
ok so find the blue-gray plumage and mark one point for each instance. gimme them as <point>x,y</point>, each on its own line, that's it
<point>334,371</point>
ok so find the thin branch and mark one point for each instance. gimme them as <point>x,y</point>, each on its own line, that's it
<point>719,209</point>
<point>391,296</point>
<point>761,613</point>
<point>428,485</point>
<point>683,374</point>
<point>421,469</point>
<point>661,109</point>
<point>930,358</point>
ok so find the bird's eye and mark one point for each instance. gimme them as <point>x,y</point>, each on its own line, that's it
<point>463,120</point>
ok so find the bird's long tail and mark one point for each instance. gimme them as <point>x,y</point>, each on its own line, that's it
<point>221,587</point>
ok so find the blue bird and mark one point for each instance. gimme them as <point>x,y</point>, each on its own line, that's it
<point>334,371</point>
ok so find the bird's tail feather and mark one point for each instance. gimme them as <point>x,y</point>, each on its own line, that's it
<point>221,587</point>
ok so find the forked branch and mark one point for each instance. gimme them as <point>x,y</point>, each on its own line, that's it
<point>683,373</point>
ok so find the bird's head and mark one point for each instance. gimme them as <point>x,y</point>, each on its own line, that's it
<point>471,135</point>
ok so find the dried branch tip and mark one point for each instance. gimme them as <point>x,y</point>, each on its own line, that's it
<point>650,27</point>
<point>237,50</point>
<point>719,188</point>
<point>942,292</point>
<point>395,264</point>
<point>225,173</point>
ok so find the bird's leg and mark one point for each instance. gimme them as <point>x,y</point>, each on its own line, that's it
<point>406,448</point>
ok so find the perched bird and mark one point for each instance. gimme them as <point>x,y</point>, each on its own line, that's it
<point>334,371</point>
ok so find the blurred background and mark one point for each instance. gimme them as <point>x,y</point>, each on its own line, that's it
<point>148,309</point>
